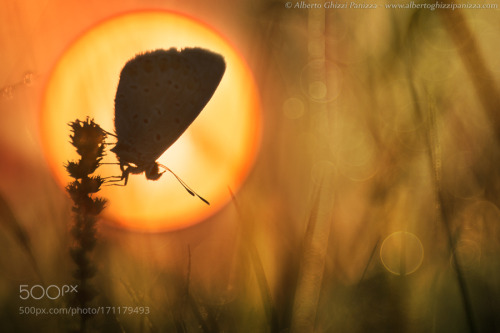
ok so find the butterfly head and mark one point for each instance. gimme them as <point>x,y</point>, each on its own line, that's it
<point>153,172</point>
<point>135,161</point>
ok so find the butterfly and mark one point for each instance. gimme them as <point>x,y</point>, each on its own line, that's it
<point>160,93</point>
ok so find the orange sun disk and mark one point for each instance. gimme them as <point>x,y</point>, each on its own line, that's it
<point>216,152</point>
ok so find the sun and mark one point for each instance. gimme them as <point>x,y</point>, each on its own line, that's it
<point>214,155</point>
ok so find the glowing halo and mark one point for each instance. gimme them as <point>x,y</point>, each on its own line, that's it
<point>216,152</point>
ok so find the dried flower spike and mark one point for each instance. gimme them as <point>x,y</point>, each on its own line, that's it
<point>88,139</point>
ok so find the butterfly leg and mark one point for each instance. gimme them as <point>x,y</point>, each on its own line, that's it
<point>125,174</point>
<point>116,179</point>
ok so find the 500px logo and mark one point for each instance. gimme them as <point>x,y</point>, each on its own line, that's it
<point>38,292</point>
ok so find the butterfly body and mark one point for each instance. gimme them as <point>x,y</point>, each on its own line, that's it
<point>160,93</point>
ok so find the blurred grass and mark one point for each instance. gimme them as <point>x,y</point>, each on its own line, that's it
<point>17,230</point>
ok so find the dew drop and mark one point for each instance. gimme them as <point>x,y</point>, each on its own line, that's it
<point>29,78</point>
<point>8,92</point>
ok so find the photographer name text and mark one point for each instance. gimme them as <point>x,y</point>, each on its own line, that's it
<point>396,5</point>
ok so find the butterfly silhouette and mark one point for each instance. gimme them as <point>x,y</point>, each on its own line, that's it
<point>160,93</point>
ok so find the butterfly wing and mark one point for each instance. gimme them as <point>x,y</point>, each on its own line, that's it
<point>159,95</point>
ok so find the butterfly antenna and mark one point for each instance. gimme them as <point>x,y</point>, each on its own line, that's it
<point>189,189</point>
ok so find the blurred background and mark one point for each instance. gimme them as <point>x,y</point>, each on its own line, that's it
<point>372,206</point>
